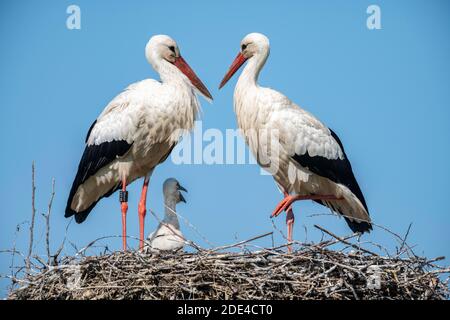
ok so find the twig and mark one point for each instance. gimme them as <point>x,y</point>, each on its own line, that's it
<point>33,214</point>
<point>13,253</point>
<point>404,240</point>
<point>61,247</point>
<point>189,224</point>
<point>241,242</point>
<point>47,223</point>
<point>344,241</point>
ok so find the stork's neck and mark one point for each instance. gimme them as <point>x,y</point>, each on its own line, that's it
<point>250,74</point>
<point>170,73</point>
<point>170,216</point>
<point>182,89</point>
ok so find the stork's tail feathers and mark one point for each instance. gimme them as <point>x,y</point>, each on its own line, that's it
<point>79,194</point>
<point>96,177</point>
<point>361,226</point>
<point>352,209</point>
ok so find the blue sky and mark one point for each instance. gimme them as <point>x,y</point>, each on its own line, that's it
<point>385,92</point>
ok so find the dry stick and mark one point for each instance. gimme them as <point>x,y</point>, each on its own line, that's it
<point>399,238</point>
<point>188,242</point>
<point>33,214</point>
<point>47,222</point>
<point>90,244</point>
<point>61,247</point>
<point>322,245</point>
<point>242,242</point>
<point>404,240</point>
<point>344,241</point>
<point>13,255</point>
<point>190,225</point>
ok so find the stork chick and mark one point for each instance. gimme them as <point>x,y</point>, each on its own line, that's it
<point>168,236</point>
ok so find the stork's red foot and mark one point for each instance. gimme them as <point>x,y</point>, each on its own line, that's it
<point>286,205</point>
<point>282,206</point>
<point>290,199</point>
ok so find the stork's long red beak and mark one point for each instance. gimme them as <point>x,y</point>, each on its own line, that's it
<point>181,64</point>
<point>237,63</point>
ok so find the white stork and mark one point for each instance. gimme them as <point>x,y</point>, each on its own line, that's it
<point>310,161</point>
<point>168,236</point>
<point>135,132</point>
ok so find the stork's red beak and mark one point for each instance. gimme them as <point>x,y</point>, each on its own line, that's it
<point>237,63</point>
<point>181,64</point>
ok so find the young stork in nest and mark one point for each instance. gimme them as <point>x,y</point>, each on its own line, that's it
<point>307,159</point>
<point>135,132</point>
<point>167,235</point>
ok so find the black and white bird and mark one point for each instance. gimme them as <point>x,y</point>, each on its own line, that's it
<point>168,236</point>
<point>135,132</point>
<point>307,159</point>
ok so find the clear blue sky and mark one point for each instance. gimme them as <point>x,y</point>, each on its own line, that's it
<point>385,92</point>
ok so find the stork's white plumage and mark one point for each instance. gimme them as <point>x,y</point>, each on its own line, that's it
<point>306,158</point>
<point>136,131</point>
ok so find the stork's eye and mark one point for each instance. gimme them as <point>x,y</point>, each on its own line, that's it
<point>172,48</point>
<point>243,47</point>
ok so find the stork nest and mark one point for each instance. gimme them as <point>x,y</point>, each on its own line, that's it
<point>312,272</point>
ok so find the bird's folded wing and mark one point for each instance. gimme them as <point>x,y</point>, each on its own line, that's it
<point>302,133</point>
<point>319,149</point>
<point>109,137</point>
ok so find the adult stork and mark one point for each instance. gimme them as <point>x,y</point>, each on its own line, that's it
<point>135,132</point>
<point>307,159</point>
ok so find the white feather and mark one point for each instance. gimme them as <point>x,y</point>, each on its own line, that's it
<point>260,109</point>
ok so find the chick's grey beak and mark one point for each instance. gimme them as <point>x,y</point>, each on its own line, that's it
<point>182,198</point>
<point>182,188</point>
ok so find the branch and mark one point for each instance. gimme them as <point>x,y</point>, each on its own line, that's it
<point>33,214</point>
<point>47,223</point>
<point>242,242</point>
<point>344,241</point>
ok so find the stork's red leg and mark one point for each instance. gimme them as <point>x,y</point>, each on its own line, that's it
<point>290,226</point>
<point>286,205</point>
<point>289,223</point>
<point>142,210</point>
<point>123,198</point>
<point>289,200</point>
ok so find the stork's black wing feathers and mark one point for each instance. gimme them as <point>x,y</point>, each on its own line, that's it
<point>94,158</point>
<point>89,131</point>
<point>339,171</point>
